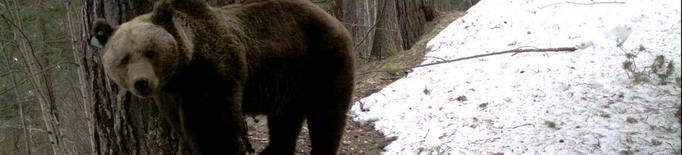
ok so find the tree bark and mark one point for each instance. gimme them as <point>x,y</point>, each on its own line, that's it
<point>412,16</point>
<point>464,5</point>
<point>119,122</point>
<point>387,39</point>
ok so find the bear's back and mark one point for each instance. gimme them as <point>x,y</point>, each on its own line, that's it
<point>290,44</point>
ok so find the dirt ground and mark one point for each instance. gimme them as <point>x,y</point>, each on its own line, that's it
<point>361,138</point>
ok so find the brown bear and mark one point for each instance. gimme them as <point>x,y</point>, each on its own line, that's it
<point>206,67</point>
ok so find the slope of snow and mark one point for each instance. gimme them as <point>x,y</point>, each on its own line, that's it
<point>583,102</point>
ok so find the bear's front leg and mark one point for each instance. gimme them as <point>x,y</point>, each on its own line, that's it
<point>167,105</point>
<point>213,123</point>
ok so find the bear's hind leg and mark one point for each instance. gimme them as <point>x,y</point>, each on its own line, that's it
<point>327,118</point>
<point>283,131</point>
<point>326,130</point>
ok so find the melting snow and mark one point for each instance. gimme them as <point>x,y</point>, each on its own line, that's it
<point>608,97</point>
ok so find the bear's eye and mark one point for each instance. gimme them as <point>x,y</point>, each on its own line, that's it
<point>125,59</point>
<point>149,54</point>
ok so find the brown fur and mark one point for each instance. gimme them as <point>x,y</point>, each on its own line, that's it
<point>205,67</point>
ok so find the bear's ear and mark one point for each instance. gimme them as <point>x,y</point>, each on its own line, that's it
<point>100,33</point>
<point>162,13</point>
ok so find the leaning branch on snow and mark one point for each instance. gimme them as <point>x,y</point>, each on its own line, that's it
<point>578,3</point>
<point>515,51</point>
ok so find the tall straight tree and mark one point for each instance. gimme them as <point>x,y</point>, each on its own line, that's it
<point>412,17</point>
<point>386,39</point>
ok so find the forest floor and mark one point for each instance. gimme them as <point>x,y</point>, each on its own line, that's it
<point>362,138</point>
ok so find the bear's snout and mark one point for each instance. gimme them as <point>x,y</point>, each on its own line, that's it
<point>142,86</point>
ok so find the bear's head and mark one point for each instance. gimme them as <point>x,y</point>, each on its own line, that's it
<point>140,55</point>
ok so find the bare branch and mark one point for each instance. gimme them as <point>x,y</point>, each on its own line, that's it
<point>578,3</point>
<point>441,59</point>
<point>18,83</point>
<point>380,16</point>
<point>23,35</point>
<point>515,51</point>
<point>11,72</point>
<point>375,27</point>
<point>49,68</point>
<point>17,127</point>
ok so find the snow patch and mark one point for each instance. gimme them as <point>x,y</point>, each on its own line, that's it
<point>590,101</point>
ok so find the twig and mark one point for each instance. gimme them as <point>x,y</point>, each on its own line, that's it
<point>30,45</point>
<point>674,150</point>
<point>375,27</point>
<point>578,3</point>
<point>515,51</point>
<point>426,135</point>
<point>6,90</point>
<point>365,36</point>
<point>33,74</point>
<point>441,59</point>
<point>518,126</point>
<point>17,127</point>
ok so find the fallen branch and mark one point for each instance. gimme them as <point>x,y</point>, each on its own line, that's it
<point>578,3</point>
<point>515,51</point>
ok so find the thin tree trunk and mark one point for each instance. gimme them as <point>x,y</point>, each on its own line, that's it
<point>356,18</point>
<point>71,30</point>
<point>44,60</point>
<point>379,35</point>
<point>25,128</point>
<point>386,40</point>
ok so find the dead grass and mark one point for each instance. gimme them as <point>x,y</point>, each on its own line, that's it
<point>376,75</point>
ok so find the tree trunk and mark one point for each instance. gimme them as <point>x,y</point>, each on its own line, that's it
<point>386,40</point>
<point>50,105</point>
<point>356,17</point>
<point>382,28</point>
<point>378,41</point>
<point>442,5</point>
<point>73,36</point>
<point>24,127</point>
<point>120,123</point>
<point>412,17</point>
